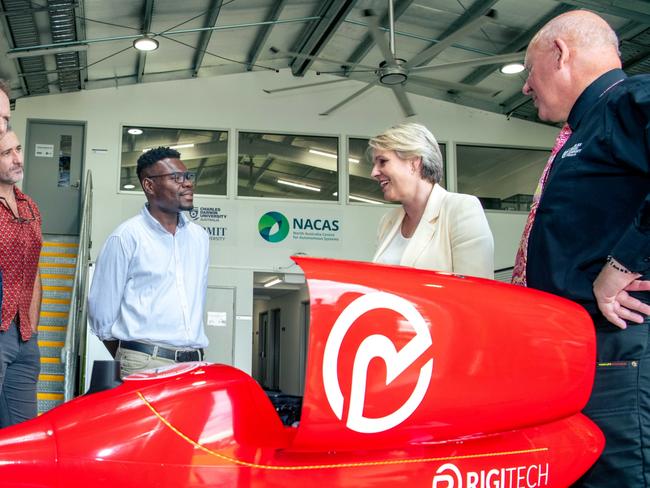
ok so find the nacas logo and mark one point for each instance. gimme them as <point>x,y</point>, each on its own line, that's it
<point>273,226</point>
<point>376,346</point>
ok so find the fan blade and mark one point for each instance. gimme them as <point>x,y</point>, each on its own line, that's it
<point>403,100</point>
<point>351,97</point>
<point>450,85</point>
<point>431,52</point>
<point>276,90</point>
<point>379,39</point>
<point>471,63</point>
<point>347,73</point>
<point>275,50</point>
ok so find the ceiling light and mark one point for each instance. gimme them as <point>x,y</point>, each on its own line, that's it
<point>365,200</point>
<point>512,68</point>
<point>272,282</point>
<point>135,131</point>
<point>298,185</point>
<point>353,160</point>
<point>323,153</point>
<point>145,43</point>
<point>128,186</point>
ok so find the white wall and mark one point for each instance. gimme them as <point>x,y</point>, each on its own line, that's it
<point>238,102</point>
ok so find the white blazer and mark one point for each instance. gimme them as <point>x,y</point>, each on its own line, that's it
<point>453,235</point>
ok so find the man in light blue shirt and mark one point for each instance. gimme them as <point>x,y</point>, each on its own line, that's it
<point>147,297</point>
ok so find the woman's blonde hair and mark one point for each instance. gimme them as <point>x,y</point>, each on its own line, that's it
<point>410,140</point>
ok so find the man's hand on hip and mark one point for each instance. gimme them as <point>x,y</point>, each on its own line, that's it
<point>611,291</point>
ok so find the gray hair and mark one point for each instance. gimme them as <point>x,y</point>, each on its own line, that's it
<point>410,140</point>
<point>586,28</point>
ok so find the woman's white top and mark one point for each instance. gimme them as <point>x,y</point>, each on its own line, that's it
<point>393,252</point>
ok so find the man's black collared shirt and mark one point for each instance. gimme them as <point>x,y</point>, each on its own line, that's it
<point>596,201</point>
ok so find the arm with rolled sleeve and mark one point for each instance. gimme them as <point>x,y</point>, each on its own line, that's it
<point>107,288</point>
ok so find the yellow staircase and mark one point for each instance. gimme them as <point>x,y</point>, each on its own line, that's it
<point>57,265</point>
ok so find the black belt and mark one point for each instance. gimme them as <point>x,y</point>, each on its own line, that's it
<point>178,355</point>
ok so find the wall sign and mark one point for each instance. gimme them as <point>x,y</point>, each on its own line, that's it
<point>44,150</point>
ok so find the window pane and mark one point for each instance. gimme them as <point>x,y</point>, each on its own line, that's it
<point>502,178</point>
<point>364,188</point>
<point>65,152</point>
<point>203,151</point>
<point>287,166</point>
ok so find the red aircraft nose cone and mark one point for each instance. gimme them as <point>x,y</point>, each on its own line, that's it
<point>28,455</point>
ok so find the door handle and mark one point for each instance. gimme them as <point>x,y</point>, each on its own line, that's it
<point>76,184</point>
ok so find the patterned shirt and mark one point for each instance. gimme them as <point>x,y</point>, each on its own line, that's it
<point>20,247</point>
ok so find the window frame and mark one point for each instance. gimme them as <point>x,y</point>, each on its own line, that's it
<point>138,189</point>
<point>237,196</point>
<point>456,143</point>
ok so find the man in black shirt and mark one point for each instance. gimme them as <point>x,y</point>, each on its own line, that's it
<point>589,239</point>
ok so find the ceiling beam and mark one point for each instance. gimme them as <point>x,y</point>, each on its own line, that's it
<point>514,102</point>
<point>639,58</point>
<point>147,15</point>
<point>637,10</point>
<point>367,42</point>
<point>256,177</point>
<point>316,34</point>
<point>631,30</point>
<point>80,19</point>
<point>211,21</point>
<point>6,32</point>
<point>517,44</point>
<point>457,29</point>
<point>263,33</point>
<point>25,34</point>
<point>63,28</point>
<point>627,35</point>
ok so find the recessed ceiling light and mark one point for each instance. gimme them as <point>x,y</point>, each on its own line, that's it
<point>145,43</point>
<point>128,186</point>
<point>135,131</point>
<point>512,68</point>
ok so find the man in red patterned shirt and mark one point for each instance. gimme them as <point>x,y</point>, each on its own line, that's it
<point>20,246</point>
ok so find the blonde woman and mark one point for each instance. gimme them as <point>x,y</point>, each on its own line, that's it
<point>433,229</point>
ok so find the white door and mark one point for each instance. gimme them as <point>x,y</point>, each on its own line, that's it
<point>219,320</point>
<point>53,168</point>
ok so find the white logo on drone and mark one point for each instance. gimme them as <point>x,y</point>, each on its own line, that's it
<point>371,347</point>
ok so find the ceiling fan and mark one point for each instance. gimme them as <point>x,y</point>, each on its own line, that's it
<point>394,72</point>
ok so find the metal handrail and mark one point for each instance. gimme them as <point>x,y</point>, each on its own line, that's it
<point>77,318</point>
